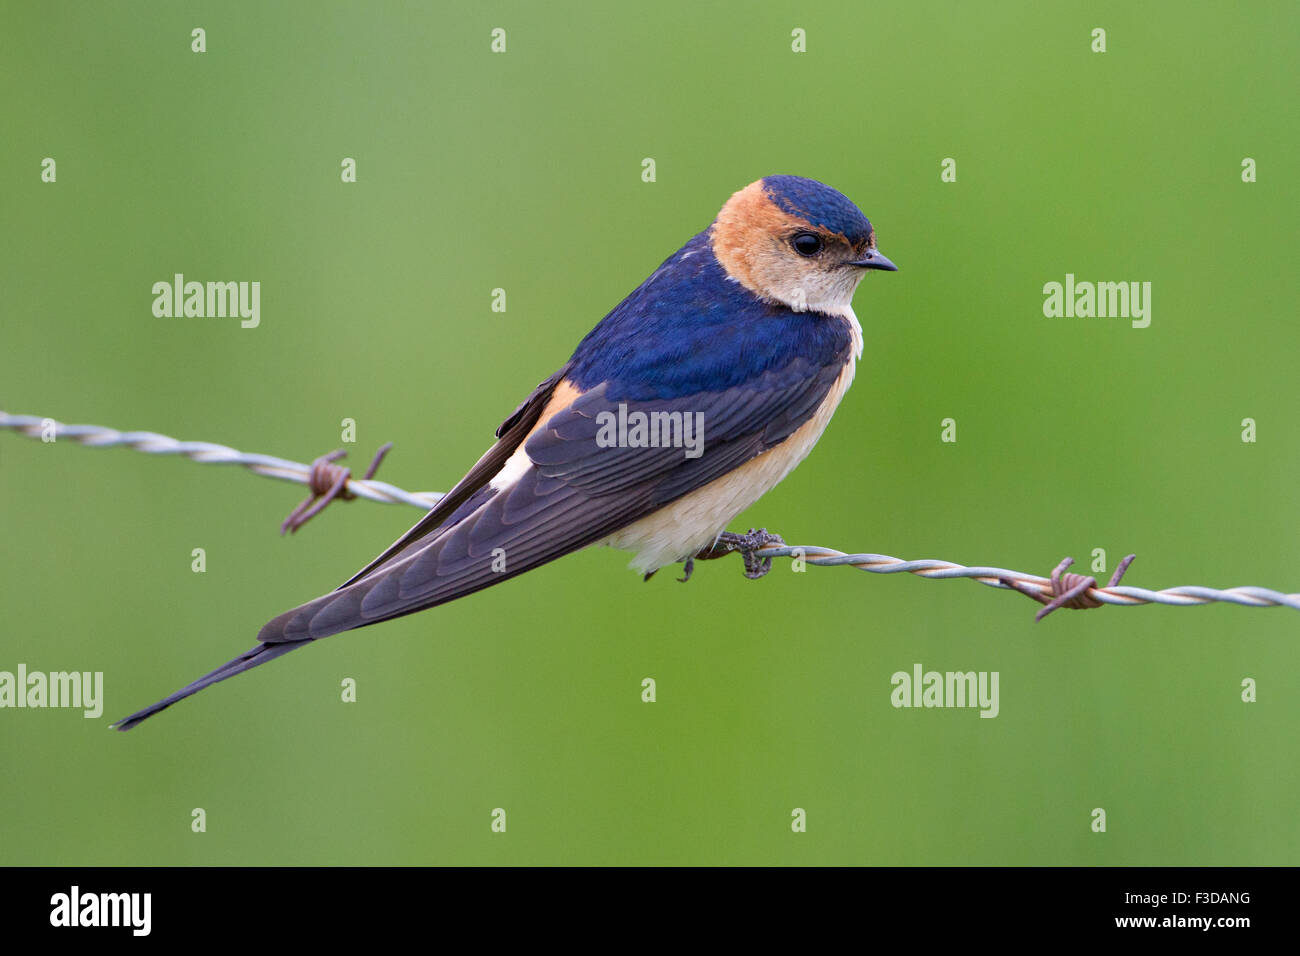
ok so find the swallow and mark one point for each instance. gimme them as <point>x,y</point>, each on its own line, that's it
<point>746,331</point>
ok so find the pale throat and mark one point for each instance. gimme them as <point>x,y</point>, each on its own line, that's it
<point>829,292</point>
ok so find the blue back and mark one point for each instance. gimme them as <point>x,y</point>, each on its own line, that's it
<point>687,329</point>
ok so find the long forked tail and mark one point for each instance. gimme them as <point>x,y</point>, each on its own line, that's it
<point>246,661</point>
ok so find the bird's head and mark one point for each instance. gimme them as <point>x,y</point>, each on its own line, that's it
<point>796,241</point>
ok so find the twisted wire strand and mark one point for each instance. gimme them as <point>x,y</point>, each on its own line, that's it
<point>272,467</point>
<point>1121,595</point>
<point>208,453</point>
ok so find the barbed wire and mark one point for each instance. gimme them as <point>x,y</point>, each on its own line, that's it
<point>151,443</point>
<point>1121,595</point>
<point>1059,590</point>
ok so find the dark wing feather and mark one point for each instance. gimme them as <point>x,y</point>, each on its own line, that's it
<point>578,493</point>
<point>509,434</point>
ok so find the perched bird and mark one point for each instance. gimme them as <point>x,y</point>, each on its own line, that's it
<point>700,391</point>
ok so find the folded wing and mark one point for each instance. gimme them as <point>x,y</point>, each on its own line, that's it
<point>576,490</point>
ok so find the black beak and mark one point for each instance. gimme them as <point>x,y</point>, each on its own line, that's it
<point>874,260</point>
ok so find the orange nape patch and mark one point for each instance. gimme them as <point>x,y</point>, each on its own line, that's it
<point>748,233</point>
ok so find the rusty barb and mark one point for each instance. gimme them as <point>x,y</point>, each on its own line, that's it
<point>327,482</point>
<point>1068,590</point>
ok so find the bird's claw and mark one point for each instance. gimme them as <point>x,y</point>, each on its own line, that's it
<point>747,544</point>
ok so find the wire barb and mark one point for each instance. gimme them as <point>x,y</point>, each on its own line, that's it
<point>1070,590</point>
<point>327,482</point>
<point>1060,590</point>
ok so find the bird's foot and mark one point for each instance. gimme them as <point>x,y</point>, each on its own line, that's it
<point>747,544</point>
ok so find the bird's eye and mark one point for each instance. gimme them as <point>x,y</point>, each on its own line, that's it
<point>807,244</point>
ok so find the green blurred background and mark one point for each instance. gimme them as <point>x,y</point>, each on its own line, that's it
<point>522,171</point>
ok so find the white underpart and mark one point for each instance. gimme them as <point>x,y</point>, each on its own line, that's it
<point>694,521</point>
<point>855,329</point>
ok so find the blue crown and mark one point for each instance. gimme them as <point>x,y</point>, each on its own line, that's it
<point>822,206</point>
